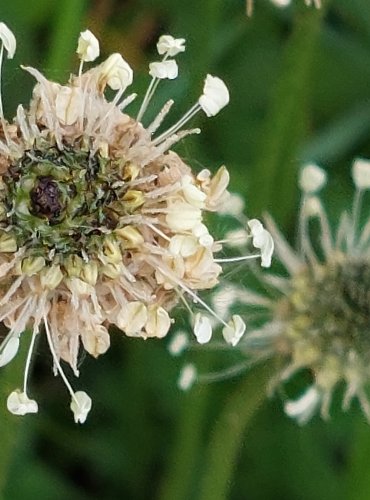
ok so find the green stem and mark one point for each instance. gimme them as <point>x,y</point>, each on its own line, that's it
<point>357,476</point>
<point>188,444</point>
<point>286,122</point>
<point>228,434</point>
<point>63,42</point>
<point>10,379</point>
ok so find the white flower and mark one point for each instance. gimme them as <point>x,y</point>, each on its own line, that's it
<point>188,376</point>
<point>132,318</point>
<point>215,95</point>
<point>158,322</point>
<point>304,407</point>
<point>217,191</point>
<point>170,46</point>
<point>19,403</point>
<point>80,405</point>
<point>262,239</point>
<point>96,341</point>
<point>178,344</point>
<point>88,46</point>
<point>200,231</point>
<point>9,351</point>
<point>183,245</point>
<point>361,173</point>
<point>8,40</point>
<point>312,179</point>
<point>116,72</point>
<point>234,332</point>
<point>202,328</point>
<point>192,193</point>
<point>164,69</point>
<point>67,105</point>
<point>183,216</point>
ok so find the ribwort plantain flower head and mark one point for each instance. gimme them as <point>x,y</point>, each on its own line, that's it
<point>101,223</point>
<point>313,319</point>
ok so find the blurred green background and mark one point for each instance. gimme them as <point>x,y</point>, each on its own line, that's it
<point>299,81</point>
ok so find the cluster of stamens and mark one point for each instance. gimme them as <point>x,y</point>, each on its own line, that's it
<point>100,223</point>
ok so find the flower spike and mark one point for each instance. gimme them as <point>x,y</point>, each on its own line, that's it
<point>318,320</point>
<point>104,225</point>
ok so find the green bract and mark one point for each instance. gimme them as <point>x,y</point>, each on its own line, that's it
<point>66,201</point>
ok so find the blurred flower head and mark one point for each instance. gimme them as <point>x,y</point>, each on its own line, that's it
<point>100,222</point>
<point>316,320</point>
<point>282,4</point>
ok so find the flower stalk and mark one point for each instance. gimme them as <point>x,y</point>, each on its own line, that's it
<point>9,377</point>
<point>229,434</point>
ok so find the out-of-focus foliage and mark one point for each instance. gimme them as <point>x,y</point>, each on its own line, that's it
<point>300,88</point>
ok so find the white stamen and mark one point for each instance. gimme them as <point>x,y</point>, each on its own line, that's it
<point>9,350</point>
<point>238,259</point>
<point>281,3</point>
<point>312,179</point>
<point>226,374</point>
<point>169,46</point>
<point>202,328</point>
<point>304,407</point>
<point>57,362</point>
<point>116,72</point>
<point>88,46</point>
<point>178,343</point>
<point>80,405</point>
<point>28,360</point>
<point>172,130</point>
<point>171,276</point>
<point>262,240</point>
<point>19,403</point>
<point>215,95</point>
<point>164,69</point>
<point>234,331</point>
<point>8,40</point>
<point>361,173</point>
<point>188,376</point>
<point>158,71</point>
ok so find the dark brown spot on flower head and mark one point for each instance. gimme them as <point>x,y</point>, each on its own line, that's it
<point>45,197</point>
